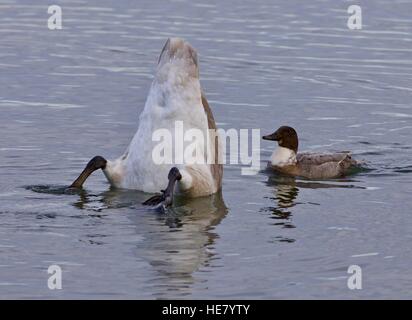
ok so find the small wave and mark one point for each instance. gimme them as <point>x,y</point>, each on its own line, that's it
<point>54,189</point>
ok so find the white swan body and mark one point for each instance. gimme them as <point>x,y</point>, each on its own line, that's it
<point>175,95</point>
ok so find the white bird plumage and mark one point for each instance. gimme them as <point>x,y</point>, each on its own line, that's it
<point>175,95</point>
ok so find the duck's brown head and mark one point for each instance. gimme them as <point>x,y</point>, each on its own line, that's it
<point>286,137</point>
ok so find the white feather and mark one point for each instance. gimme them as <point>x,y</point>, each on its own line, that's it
<point>283,157</point>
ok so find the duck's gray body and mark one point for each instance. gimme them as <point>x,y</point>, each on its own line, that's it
<point>318,166</point>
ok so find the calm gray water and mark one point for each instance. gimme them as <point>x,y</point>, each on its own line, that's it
<point>67,95</point>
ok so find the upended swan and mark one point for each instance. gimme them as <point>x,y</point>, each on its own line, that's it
<point>285,158</point>
<point>175,95</point>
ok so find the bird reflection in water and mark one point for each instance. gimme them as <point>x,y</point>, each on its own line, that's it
<point>175,244</point>
<point>286,191</point>
<point>285,194</point>
<point>182,242</point>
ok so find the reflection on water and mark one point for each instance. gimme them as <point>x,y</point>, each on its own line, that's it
<point>285,194</point>
<point>176,243</point>
<point>286,190</point>
<point>180,243</point>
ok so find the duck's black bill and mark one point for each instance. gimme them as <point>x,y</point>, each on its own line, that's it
<point>271,137</point>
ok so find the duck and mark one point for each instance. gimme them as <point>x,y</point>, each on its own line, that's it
<point>286,160</point>
<point>175,96</point>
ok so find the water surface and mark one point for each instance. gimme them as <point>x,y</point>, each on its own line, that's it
<point>70,94</point>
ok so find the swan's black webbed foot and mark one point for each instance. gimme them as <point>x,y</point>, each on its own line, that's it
<point>165,199</point>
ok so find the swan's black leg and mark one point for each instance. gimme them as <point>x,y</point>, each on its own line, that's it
<point>166,197</point>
